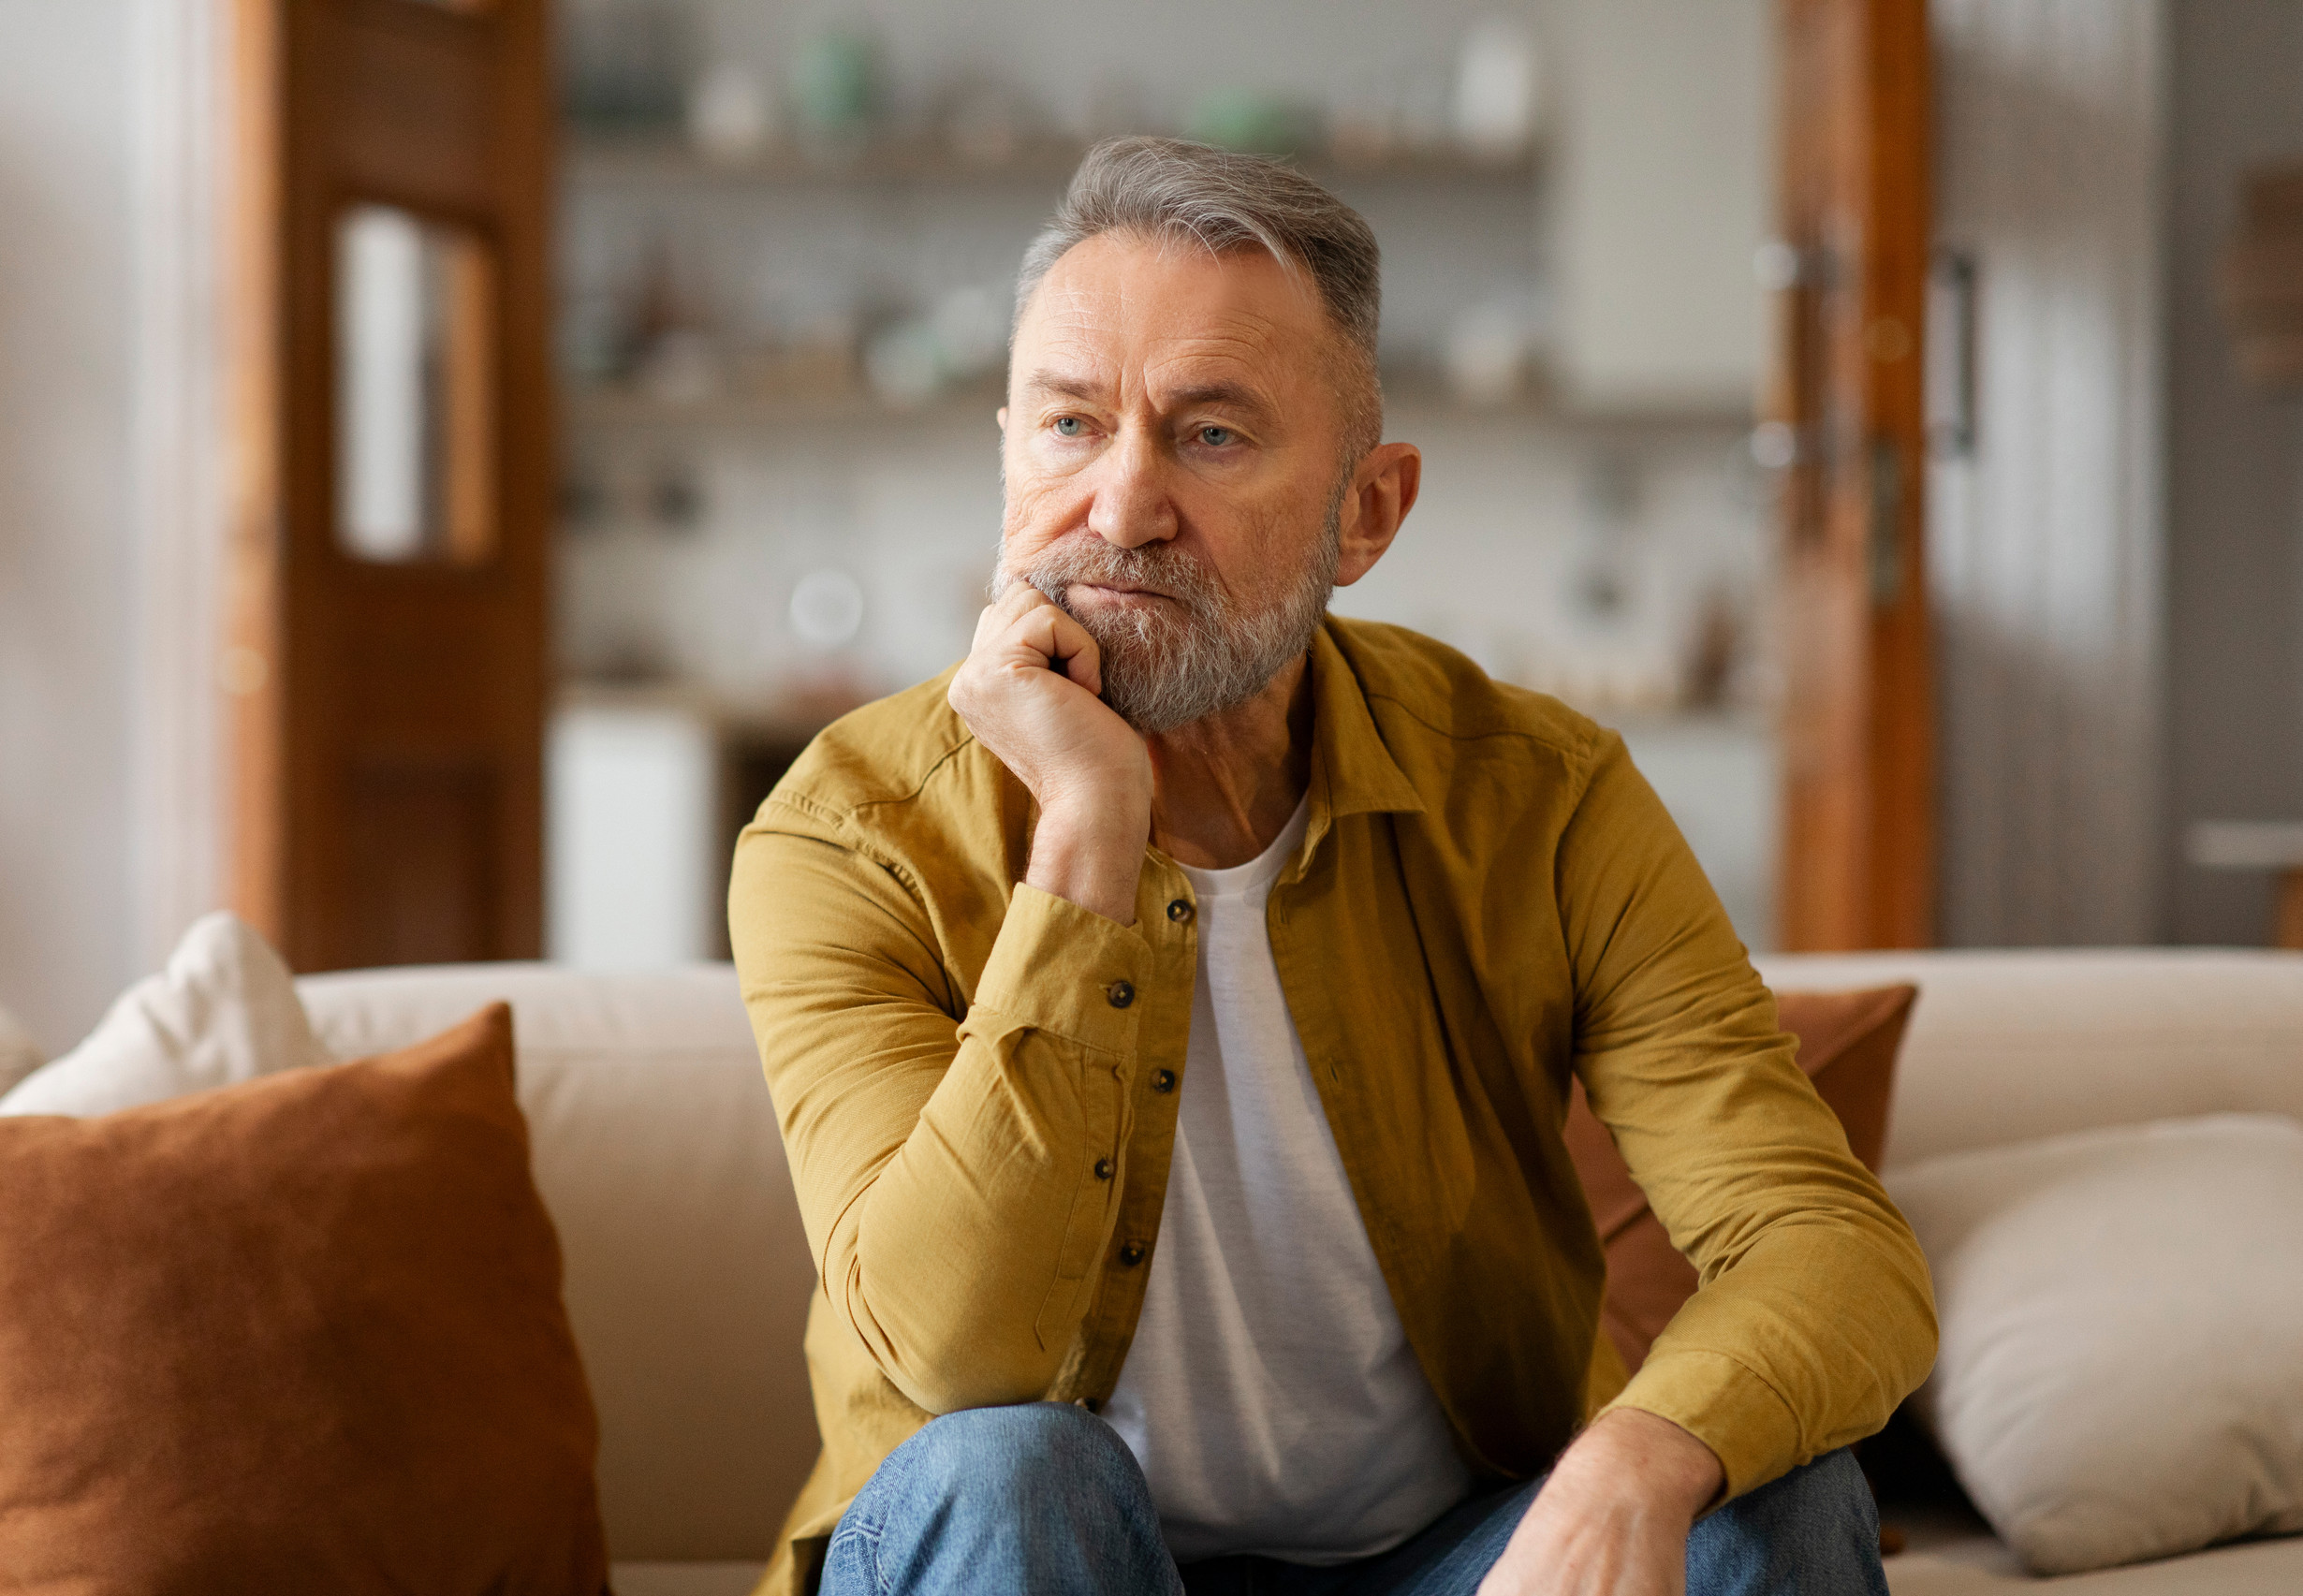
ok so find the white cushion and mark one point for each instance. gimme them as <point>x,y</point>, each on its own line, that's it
<point>20,1055</point>
<point>224,1011</point>
<point>2122,1335</point>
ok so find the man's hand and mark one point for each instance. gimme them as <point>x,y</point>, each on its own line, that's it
<point>1028,693</point>
<point>1613,1518</point>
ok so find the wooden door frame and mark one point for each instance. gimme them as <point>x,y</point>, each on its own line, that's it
<point>1858,849</point>
<point>256,842</point>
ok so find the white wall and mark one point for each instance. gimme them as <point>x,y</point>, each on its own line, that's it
<point>1667,172</point>
<point>67,649</point>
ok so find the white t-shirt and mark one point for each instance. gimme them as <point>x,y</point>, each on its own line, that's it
<point>1270,1394</point>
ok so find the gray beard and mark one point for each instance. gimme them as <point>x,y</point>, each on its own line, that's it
<point>1167,666</point>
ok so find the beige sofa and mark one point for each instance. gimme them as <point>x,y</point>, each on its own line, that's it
<point>688,1276</point>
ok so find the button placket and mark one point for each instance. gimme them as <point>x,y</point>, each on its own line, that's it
<point>1168,915</point>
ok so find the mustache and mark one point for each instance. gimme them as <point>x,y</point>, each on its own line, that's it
<point>1155,567</point>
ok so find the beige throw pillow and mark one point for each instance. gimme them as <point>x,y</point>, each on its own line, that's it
<point>224,1011</point>
<point>2122,1368</point>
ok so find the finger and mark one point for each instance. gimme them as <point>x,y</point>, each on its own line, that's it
<point>1050,633</point>
<point>1004,610</point>
<point>988,625</point>
<point>1051,636</point>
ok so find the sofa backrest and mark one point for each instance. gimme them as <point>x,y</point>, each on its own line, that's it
<point>2006,1047</point>
<point>688,1276</point>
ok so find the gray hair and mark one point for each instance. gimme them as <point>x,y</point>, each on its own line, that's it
<point>1167,189</point>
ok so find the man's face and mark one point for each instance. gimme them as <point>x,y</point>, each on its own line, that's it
<point>1173,457</point>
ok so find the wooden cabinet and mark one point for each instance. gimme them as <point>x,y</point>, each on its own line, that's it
<point>392,478</point>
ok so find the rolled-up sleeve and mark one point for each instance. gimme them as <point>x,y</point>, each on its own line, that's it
<point>953,1160</point>
<point>1815,1315</point>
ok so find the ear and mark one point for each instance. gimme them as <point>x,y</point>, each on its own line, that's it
<point>1382,490</point>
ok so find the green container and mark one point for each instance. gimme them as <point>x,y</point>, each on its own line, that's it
<point>1252,123</point>
<point>835,86</point>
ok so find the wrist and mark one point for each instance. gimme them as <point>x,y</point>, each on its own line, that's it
<point>1091,854</point>
<point>1628,1447</point>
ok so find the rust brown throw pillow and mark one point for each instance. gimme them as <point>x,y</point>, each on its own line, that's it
<point>303,1334</point>
<point>1847,1046</point>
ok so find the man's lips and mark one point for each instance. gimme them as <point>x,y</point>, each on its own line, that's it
<point>1115,591</point>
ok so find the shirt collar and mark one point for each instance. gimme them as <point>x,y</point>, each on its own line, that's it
<point>1353,772</point>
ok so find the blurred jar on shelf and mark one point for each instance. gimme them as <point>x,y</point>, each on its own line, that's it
<point>732,115</point>
<point>1498,90</point>
<point>836,91</point>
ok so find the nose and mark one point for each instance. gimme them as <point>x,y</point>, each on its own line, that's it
<point>1132,506</point>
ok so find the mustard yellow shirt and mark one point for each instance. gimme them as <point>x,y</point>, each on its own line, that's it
<point>978,1083</point>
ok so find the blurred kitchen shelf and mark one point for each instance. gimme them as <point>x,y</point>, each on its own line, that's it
<point>611,407</point>
<point>596,408</point>
<point>596,160</point>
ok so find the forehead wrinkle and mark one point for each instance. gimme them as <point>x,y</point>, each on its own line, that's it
<point>1101,330</point>
<point>1078,311</point>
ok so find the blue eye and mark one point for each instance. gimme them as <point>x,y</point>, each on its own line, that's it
<point>1216,437</point>
<point>1067,426</point>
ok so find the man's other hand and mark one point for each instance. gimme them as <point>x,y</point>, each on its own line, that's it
<point>1614,1516</point>
<point>1029,691</point>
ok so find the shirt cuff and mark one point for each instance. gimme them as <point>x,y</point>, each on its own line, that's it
<point>1059,968</point>
<point>1748,1426</point>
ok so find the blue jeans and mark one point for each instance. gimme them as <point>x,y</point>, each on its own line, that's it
<point>1043,1500</point>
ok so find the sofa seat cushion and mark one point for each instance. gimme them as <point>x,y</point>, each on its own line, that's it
<point>2122,1325</point>
<point>303,1333</point>
<point>1982,1565</point>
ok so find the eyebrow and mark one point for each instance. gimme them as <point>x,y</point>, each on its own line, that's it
<point>1224,395</point>
<point>1083,388</point>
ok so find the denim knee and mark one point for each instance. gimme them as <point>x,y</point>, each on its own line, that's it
<point>1815,1530</point>
<point>1023,1451</point>
<point>1040,1499</point>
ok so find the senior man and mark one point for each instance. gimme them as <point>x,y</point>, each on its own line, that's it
<point>1170,1015</point>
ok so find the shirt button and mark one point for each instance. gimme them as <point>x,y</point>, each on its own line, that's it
<point>1102,1169</point>
<point>1132,1254</point>
<point>1121,993</point>
<point>1179,911</point>
<point>1163,1081</point>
